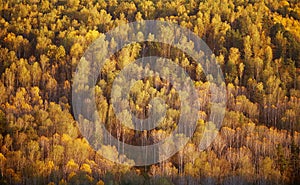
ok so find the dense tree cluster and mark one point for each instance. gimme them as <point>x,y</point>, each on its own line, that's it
<point>256,43</point>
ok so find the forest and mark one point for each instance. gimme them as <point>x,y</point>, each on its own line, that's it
<point>256,43</point>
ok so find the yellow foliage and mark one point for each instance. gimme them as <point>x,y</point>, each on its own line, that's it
<point>190,170</point>
<point>92,35</point>
<point>290,25</point>
<point>72,165</point>
<point>50,165</point>
<point>76,50</point>
<point>62,182</point>
<point>71,175</point>
<point>100,182</point>
<point>284,3</point>
<point>2,158</point>
<point>86,168</point>
<point>66,138</point>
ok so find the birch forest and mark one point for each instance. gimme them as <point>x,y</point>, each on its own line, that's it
<point>255,42</point>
